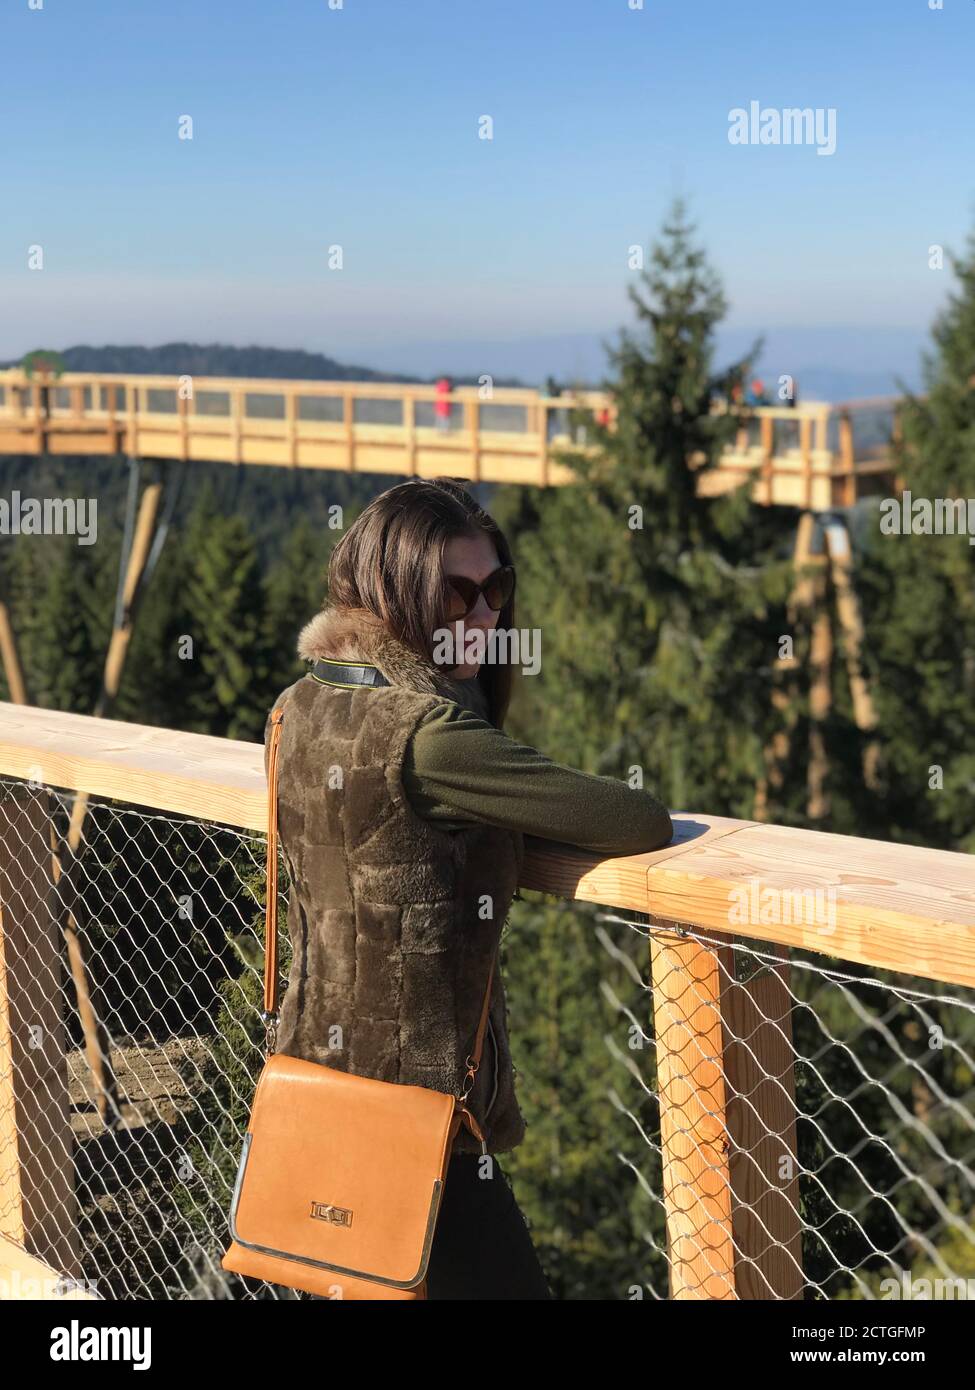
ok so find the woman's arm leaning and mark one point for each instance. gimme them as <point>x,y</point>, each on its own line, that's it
<point>460,770</point>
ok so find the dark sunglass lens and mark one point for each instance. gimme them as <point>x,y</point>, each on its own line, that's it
<point>499,588</point>
<point>463,593</point>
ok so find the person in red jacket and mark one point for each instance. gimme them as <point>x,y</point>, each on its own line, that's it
<point>441,407</point>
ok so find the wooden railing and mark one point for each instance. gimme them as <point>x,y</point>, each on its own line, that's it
<point>893,908</point>
<point>811,455</point>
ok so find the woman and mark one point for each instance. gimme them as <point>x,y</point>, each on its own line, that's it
<point>402,810</point>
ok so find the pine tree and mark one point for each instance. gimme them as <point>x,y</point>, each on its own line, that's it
<point>225,600</point>
<point>294,591</point>
<point>919,598</point>
<point>60,610</point>
<point>659,609</point>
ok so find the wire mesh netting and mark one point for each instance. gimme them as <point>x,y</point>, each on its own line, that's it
<point>847,1095</point>
<point>134,1041</point>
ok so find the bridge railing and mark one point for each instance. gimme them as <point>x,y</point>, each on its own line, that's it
<point>808,454</point>
<point>790,1031</point>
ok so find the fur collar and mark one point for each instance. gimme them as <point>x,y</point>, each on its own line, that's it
<point>355,634</point>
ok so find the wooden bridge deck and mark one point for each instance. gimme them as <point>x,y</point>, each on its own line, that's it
<point>812,455</point>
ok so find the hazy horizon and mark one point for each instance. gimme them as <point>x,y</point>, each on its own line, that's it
<point>826,362</point>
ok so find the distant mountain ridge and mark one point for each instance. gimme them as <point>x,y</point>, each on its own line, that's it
<point>830,374</point>
<point>220,359</point>
<point>216,359</point>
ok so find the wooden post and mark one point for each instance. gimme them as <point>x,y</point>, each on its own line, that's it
<point>820,696</point>
<point>109,399</point>
<point>805,449</point>
<point>767,428</point>
<point>693,1128</point>
<point>40,415</point>
<point>237,424</point>
<point>409,424</point>
<point>11,660</point>
<point>348,419</point>
<point>121,635</point>
<point>37,1198</point>
<point>543,444</point>
<point>847,461</point>
<point>291,425</point>
<point>727,1121</point>
<point>132,417</point>
<point>183,415</point>
<point>474,425</point>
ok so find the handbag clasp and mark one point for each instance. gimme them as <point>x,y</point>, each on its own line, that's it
<point>470,1072</point>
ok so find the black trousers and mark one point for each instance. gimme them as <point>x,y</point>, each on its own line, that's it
<point>482,1247</point>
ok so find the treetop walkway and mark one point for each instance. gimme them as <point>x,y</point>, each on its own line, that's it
<point>811,455</point>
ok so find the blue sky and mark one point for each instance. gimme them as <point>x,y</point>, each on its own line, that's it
<point>358,127</point>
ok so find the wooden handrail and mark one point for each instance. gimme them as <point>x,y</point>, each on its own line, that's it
<point>888,906</point>
<point>273,386</point>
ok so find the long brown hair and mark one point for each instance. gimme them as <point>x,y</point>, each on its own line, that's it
<point>390,562</point>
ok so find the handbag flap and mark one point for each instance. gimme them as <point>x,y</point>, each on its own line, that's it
<point>342,1171</point>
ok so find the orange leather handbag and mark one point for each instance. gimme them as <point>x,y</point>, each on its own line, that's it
<point>341,1176</point>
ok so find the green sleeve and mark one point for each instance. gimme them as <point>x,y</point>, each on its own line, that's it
<point>460,770</point>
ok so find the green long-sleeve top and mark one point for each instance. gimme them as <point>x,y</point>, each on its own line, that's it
<point>459,769</point>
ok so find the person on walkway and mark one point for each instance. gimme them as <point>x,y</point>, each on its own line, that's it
<point>392,951</point>
<point>441,406</point>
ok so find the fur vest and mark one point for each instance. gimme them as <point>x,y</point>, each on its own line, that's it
<point>392,921</point>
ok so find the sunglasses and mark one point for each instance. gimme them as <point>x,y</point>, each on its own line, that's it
<point>497,590</point>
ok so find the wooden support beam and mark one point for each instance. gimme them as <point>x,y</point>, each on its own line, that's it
<point>122,633</point>
<point>820,699</point>
<point>97,1044</point>
<point>11,659</point>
